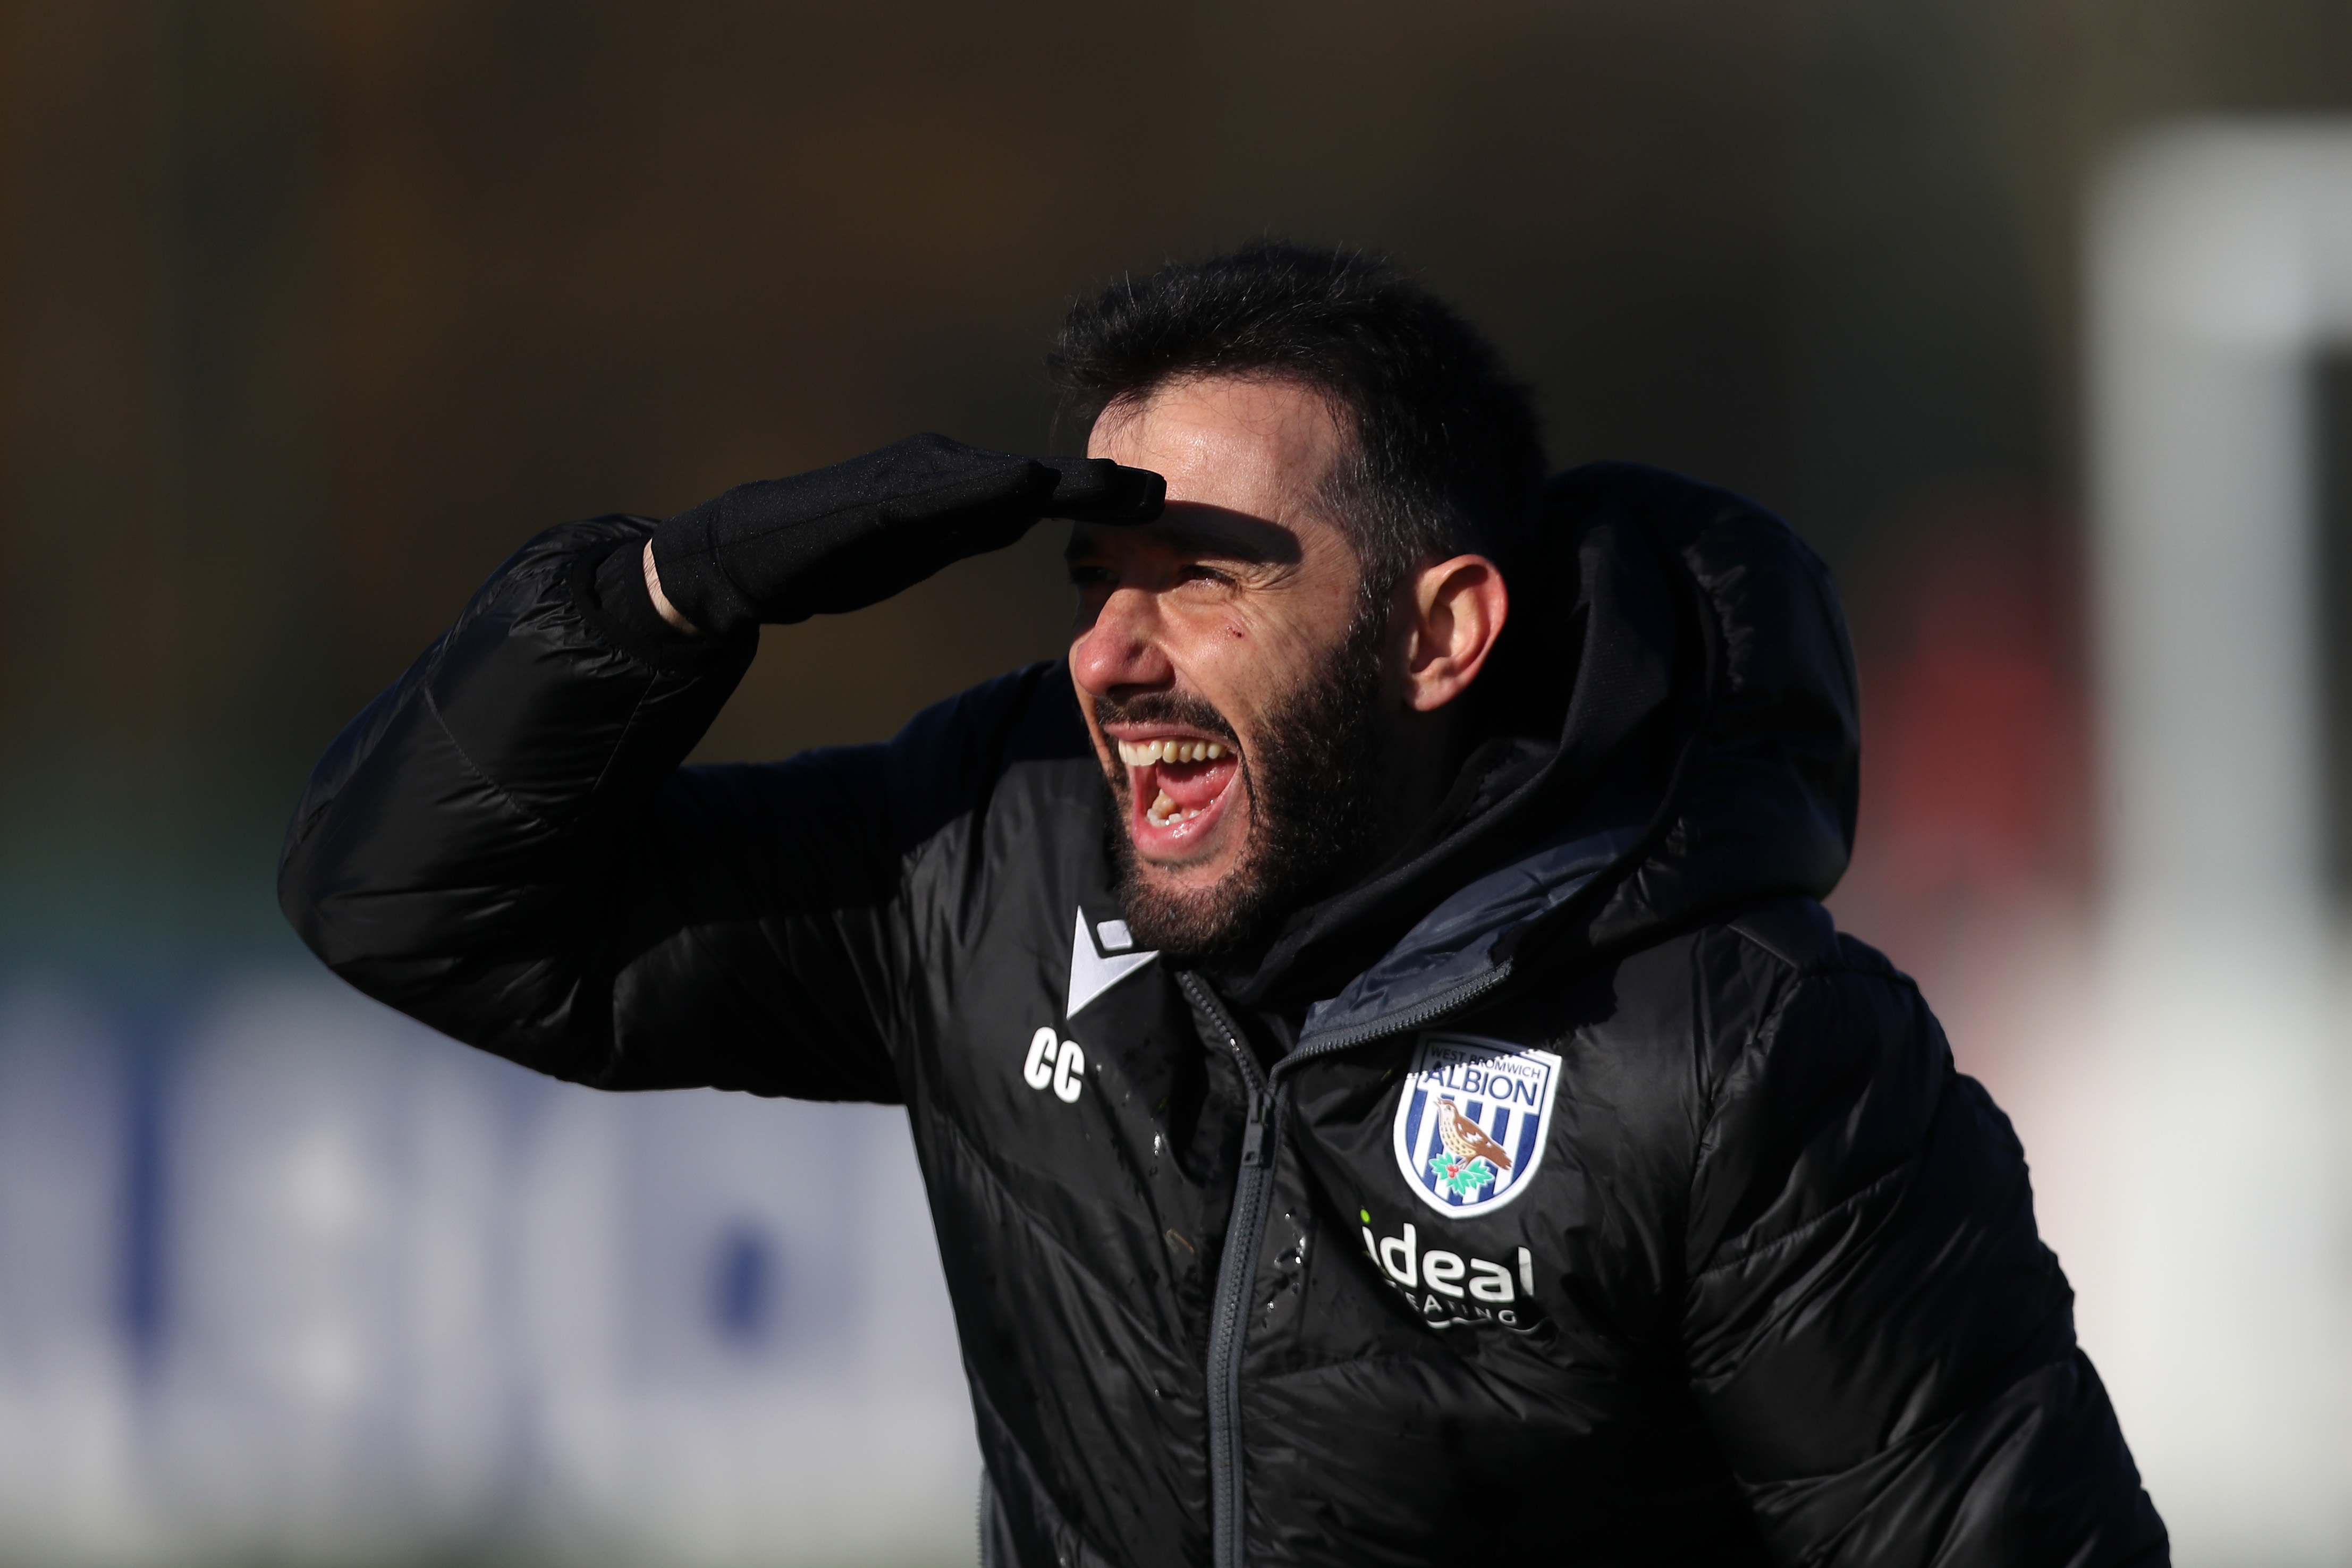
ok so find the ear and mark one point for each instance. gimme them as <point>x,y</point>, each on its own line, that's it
<point>1456,611</point>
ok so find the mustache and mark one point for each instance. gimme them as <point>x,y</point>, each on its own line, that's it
<point>1165,707</point>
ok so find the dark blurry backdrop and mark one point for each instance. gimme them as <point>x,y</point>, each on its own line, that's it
<point>314,309</point>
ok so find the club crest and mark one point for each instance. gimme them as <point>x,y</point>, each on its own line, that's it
<point>1471,1123</point>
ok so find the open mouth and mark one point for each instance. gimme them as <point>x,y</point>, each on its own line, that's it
<point>1177,786</point>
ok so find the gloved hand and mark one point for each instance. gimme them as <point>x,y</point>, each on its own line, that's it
<point>840,539</point>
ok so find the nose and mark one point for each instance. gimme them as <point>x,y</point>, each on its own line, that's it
<point>1119,649</point>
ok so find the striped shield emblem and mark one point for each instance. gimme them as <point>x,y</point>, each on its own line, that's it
<point>1471,1121</point>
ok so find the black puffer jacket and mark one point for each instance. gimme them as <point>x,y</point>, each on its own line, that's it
<point>1570,1191</point>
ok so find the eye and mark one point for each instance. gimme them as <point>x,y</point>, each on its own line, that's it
<point>1200,572</point>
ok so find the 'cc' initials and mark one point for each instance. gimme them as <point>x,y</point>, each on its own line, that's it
<point>1060,1062</point>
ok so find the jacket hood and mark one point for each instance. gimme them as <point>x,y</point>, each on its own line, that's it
<point>1673,725</point>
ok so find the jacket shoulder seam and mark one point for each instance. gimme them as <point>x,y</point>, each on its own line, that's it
<point>1830,958</point>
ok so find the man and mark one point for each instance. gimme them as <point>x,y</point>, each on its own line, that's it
<point>1388,1092</point>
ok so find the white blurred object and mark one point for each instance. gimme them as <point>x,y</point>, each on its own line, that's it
<point>309,1283</point>
<point>339,1349</point>
<point>69,1485</point>
<point>744,1345</point>
<point>2221,262</point>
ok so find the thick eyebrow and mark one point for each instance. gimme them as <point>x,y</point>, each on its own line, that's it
<point>1215,531</point>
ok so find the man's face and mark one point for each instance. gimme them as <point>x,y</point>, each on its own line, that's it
<point>1233,686</point>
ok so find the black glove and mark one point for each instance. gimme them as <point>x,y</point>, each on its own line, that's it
<point>843,538</point>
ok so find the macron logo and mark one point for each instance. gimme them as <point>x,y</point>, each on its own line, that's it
<point>1095,969</point>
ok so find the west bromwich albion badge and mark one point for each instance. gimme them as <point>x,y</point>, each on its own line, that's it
<point>1471,1123</point>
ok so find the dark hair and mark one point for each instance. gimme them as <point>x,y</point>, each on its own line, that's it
<point>1446,454</point>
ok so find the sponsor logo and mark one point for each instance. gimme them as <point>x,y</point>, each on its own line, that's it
<point>1472,1120</point>
<point>1100,959</point>
<point>1449,1290</point>
<point>1056,1064</point>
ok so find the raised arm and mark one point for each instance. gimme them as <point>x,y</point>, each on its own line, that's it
<point>504,846</point>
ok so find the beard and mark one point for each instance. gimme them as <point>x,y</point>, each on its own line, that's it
<point>1315,779</point>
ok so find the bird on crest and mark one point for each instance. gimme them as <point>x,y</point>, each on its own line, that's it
<point>1466,1139</point>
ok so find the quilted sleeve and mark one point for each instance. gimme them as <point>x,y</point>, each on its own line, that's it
<point>504,846</point>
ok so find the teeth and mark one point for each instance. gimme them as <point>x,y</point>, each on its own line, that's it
<point>1143,753</point>
<point>1165,810</point>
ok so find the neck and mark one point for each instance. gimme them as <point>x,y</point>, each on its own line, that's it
<point>1424,754</point>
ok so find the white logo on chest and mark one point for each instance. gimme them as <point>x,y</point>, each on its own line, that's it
<point>1060,1062</point>
<point>1100,959</point>
<point>1096,970</point>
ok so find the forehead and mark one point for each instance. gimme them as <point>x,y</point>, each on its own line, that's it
<point>1256,446</point>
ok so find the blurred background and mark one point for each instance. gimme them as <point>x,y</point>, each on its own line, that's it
<point>312,310</point>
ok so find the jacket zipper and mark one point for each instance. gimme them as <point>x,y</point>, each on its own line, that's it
<point>1245,1230</point>
<point>1236,1273</point>
<point>1428,1012</point>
